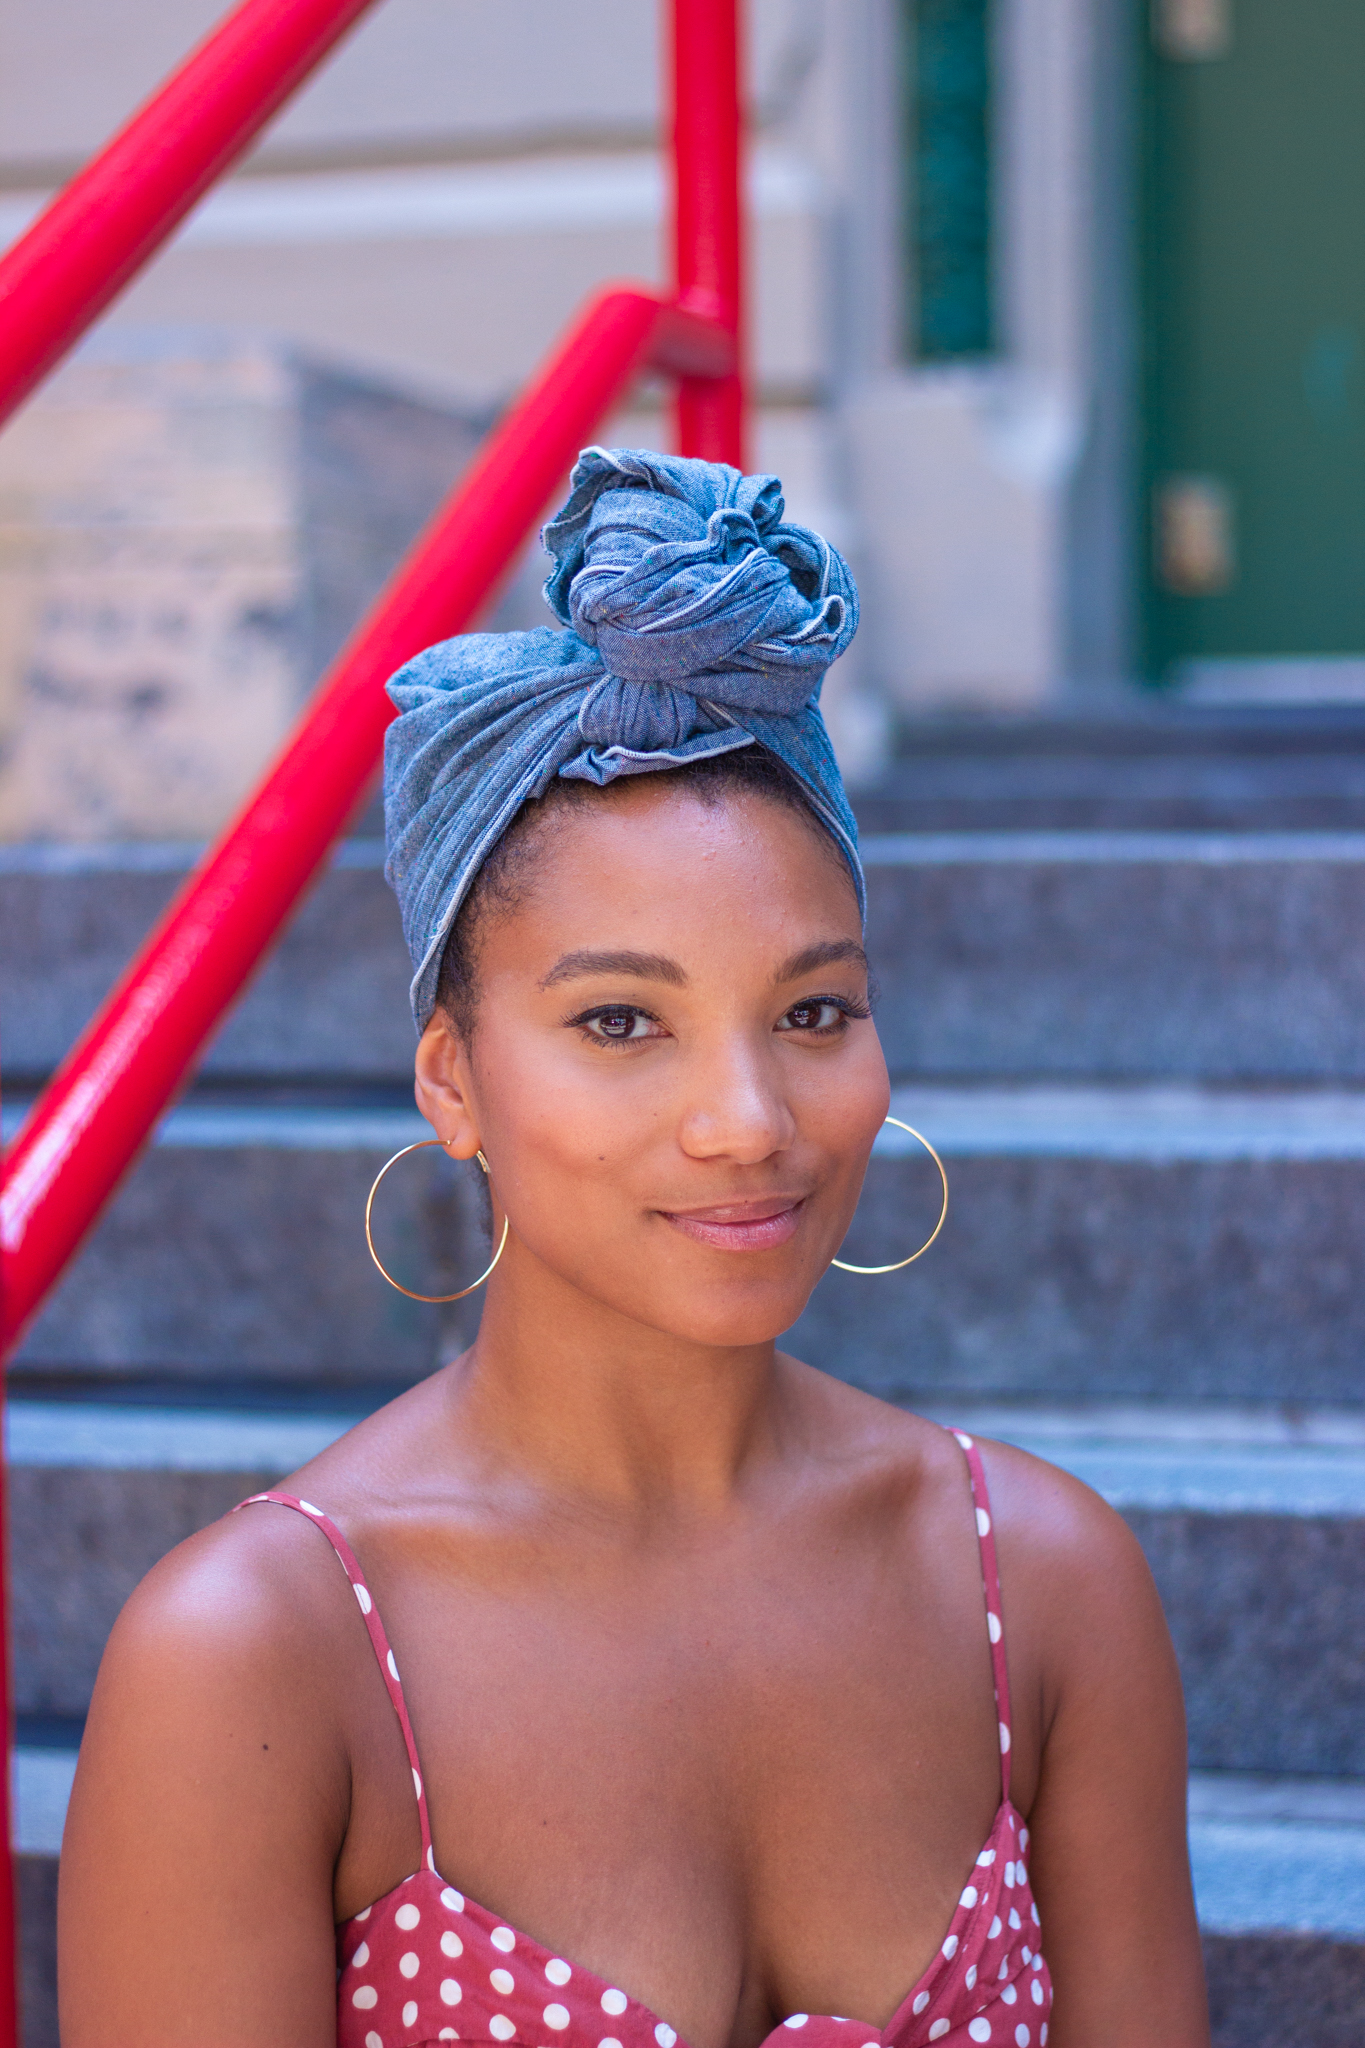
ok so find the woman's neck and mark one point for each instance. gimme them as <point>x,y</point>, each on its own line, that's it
<point>591,1403</point>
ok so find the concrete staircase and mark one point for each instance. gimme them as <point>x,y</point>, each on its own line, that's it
<point>1122,991</point>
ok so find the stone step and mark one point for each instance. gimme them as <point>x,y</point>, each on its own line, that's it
<point>1159,765</point>
<point>1102,953</point>
<point>1154,1241</point>
<point>1282,1855</point>
<point>1253,1521</point>
<point>330,999</point>
<point>1279,1873</point>
<point>1119,954</point>
<point>237,1245</point>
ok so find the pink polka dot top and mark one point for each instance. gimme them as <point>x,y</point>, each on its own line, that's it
<point>425,1964</point>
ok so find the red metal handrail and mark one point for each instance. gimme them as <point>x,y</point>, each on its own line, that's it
<point>94,1115</point>
<point>705,51</point>
<point>93,1118</point>
<point>116,213</point>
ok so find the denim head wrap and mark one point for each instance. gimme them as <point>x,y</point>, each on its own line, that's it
<point>698,622</point>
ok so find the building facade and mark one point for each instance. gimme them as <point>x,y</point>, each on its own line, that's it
<point>1053,311</point>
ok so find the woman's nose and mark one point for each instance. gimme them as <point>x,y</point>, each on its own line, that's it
<point>736,1110</point>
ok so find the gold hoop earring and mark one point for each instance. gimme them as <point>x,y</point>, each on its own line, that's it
<point>942,1214</point>
<point>420,1146</point>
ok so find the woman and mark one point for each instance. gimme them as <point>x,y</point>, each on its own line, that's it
<point>706,1726</point>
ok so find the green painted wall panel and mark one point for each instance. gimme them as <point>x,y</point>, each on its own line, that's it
<point>946,62</point>
<point>1254,331</point>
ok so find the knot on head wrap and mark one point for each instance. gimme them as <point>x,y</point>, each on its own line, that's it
<point>698,622</point>
<point>682,573</point>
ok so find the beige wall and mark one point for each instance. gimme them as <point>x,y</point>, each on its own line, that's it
<point>430,74</point>
<point>436,203</point>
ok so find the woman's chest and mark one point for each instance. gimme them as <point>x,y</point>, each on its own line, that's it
<point>427,1954</point>
<point>733,1809</point>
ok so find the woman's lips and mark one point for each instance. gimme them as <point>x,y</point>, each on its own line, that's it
<point>740,1226</point>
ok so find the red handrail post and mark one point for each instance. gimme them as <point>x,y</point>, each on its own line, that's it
<point>99,231</point>
<point>9,1887</point>
<point>707,213</point>
<point>54,283</point>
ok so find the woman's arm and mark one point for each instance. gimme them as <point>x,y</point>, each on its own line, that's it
<point>210,1803</point>
<point>1109,1859</point>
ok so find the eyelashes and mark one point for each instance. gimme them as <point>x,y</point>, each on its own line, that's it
<point>612,1024</point>
<point>845,1008</point>
<point>850,1005</point>
<point>612,1016</point>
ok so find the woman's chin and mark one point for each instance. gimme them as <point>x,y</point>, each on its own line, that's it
<point>685,1289</point>
<point>730,1318</point>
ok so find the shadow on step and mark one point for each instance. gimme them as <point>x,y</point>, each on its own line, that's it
<point>1266,1990</point>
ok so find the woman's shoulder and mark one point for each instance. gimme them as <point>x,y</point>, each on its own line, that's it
<point>217,1777</point>
<point>1073,1573</point>
<point>259,1590</point>
<point>251,1595</point>
<point>1049,1515</point>
<point>1050,1527</point>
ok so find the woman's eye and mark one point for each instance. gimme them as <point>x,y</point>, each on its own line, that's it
<point>619,1026</point>
<point>820,1014</point>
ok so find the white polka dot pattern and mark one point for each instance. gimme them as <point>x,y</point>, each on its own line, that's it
<point>413,1956</point>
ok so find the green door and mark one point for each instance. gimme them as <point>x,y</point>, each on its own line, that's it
<point>1253,275</point>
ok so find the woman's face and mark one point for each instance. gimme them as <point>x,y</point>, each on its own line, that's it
<point>673,1072</point>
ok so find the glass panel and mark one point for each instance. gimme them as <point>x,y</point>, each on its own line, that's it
<point>947,214</point>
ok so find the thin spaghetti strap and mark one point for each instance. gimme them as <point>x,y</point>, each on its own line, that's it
<point>990,1579</point>
<point>379,1641</point>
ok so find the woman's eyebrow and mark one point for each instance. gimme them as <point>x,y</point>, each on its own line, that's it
<point>644,966</point>
<point>826,953</point>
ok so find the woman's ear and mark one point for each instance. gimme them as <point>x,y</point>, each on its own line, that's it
<point>442,1088</point>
